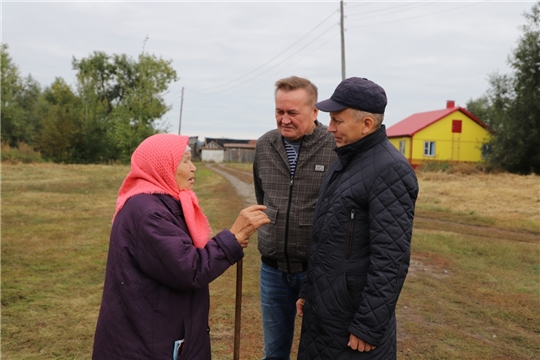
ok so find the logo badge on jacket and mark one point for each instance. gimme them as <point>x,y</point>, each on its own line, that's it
<point>319,168</point>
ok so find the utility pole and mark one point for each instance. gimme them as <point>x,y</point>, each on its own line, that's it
<point>342,43</point>
<point>181,106</point>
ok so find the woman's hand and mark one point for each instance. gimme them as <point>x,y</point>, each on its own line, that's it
<point>247,222</point>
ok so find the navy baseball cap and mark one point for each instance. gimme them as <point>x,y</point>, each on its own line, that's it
<point>356,93</point>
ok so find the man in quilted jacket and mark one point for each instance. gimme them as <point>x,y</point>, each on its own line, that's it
<point>360,247</point>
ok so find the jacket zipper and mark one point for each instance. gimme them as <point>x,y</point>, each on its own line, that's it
<point>288,213</point>
<point>351,233</point>
<point>287,226</point>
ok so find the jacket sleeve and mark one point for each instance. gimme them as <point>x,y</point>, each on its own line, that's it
<point>165,252</point>
<point>391,211</point>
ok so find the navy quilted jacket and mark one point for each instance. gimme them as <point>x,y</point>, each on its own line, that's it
<point>360,251</point>
<point>156,283</point>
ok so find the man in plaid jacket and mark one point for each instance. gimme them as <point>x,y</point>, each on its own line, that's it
<point>289,166</point>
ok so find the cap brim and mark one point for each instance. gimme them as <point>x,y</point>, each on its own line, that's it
<point>330,106</point>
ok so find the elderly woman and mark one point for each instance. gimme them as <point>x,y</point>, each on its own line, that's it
<point>162,259</point>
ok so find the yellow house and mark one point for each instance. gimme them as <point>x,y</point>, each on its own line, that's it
<point>452,134</point>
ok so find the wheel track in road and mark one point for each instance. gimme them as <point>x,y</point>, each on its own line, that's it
<point>243,189</point>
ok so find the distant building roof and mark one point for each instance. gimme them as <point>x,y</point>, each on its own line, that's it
<point>212,145</point>
<point>416,122</point>
<point>222,141</point>
<point>239,146</point>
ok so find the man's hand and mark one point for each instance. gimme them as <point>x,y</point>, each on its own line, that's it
<point>300,307</point>
<point>357,343</point>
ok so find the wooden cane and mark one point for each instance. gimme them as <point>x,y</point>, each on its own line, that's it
<point>238,310</point>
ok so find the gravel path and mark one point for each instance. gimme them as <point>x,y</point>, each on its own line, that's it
<point>243,189</point>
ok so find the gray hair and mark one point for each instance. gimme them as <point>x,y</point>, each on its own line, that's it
<point>359,115</point>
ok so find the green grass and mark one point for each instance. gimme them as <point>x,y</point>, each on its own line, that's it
<point>55,227</point>
<point>475,295</point>
<point>472,290</point>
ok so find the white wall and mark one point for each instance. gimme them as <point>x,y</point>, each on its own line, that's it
<point>212,155</point>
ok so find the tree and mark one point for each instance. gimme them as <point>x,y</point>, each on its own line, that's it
<point>68,132</point>
<point>124,96</point>
<point>512,105</point>
<point>61,134</point>
<point>30,100</point>
<point>22,104</point>
<point>12,125</point>
<point>116,104</point>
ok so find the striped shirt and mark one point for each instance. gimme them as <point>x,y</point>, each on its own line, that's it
<point>293,149</point>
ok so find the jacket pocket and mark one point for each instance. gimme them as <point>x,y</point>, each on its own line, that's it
<point>337,302</point>
<point>347,297</point>
<point>272,214</point>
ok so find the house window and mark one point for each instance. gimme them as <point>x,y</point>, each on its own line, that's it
<point>429,148</point>
<point>402,146</point>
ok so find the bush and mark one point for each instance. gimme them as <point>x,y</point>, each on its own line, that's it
<point>23,153</point>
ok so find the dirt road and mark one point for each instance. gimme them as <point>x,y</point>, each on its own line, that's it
<point>242,188</point>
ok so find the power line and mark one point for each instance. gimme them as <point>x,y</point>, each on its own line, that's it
<point>269,75</point>
<point>275,57</point>
<point>352,5</point>
<point>392,9</point>
<point>389,10</point>
<point>290,64</point>
<point>413,17</point>
<point>275,65</point>
<point>278,55</point>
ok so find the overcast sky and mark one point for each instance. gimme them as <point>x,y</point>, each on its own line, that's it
<point>228,55</point>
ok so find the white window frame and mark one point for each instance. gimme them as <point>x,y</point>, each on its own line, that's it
<point>402,146</point>
<point>429,148</point>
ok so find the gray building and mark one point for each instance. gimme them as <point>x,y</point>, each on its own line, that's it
<point>243,153</point>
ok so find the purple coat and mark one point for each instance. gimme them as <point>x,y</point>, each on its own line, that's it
<point>156,283</point>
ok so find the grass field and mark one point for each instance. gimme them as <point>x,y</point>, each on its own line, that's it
<point>473,291</point>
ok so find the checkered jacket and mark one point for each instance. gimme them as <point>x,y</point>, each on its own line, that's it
<point>290,201</point>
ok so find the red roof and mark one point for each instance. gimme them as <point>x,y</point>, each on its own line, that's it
<point>419,121</point>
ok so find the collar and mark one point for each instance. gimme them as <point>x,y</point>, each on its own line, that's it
<point>348,152</point>
<point>171,203</point>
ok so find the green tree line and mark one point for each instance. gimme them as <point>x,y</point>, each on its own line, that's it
<point>116,103</point>
<point>511,106</point>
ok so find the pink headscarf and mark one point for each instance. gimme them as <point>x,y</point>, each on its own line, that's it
<point>153,167</point>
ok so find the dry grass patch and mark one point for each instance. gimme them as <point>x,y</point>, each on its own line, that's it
<point>55,228</point>
<point>472,293</point>
<point>474,298</point>
<point>510,200</point>
<point>475,271</point>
